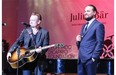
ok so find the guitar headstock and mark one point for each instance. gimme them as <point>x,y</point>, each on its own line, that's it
<point>59,45</point>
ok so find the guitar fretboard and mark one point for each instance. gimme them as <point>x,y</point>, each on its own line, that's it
<point>45,47</point>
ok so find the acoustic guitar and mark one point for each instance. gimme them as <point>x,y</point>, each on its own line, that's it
<point>26,56</point>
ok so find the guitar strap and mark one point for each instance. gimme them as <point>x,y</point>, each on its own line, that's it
<point>31,35</point>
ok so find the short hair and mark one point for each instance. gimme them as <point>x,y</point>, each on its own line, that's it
<point>37,14</point>
<point>94,8</point>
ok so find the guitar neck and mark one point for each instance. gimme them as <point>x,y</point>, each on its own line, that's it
<point>45,47</point>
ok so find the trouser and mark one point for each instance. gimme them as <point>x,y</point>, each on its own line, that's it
<point>37,71</point>
<point>88,68</point>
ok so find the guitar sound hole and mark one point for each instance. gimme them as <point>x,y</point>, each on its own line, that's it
<point>27,53</point>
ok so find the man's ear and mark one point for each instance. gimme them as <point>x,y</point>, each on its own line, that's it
<point>39,21</point>
<point>95,13</point>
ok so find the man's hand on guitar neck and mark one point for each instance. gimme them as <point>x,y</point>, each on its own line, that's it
<point>38,50</point>
<point>8,55</point>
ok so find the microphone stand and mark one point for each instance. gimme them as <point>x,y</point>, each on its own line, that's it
<point>18,53</point>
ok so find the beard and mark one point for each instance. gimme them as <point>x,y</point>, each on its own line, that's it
<point>88,18</point>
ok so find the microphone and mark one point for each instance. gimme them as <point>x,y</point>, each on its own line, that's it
<point>25,24</point>
<point>4,24</point>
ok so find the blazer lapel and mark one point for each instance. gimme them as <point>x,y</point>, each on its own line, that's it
<point>91,26</point>
<point>38,38</point>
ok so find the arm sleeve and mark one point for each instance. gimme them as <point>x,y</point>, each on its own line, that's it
<point>100,32</point>
<point>17,42</point>
<point>45,42</point>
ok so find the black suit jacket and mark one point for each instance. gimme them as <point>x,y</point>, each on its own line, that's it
<point>27,40</point>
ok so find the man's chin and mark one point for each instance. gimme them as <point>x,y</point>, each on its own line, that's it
<point>88,19</point>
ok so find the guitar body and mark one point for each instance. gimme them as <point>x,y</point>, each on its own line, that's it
<point>26,56</point>
<point>23,58</point>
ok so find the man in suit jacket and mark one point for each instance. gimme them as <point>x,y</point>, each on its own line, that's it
<point>33,36</point>
<point>90,42</point>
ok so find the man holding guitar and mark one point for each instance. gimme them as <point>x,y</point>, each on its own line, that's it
<point>33,36</point>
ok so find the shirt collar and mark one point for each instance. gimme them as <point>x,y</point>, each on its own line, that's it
<point>91,21</point>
